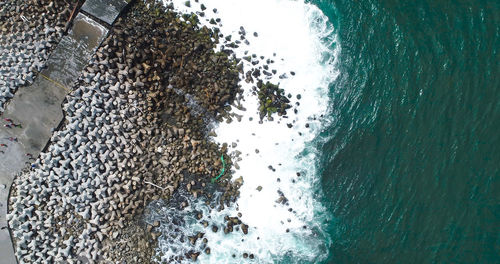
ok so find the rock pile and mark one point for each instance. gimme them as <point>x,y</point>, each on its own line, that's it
<point>129,137</point>
<point>183,233</point>
<point>29,31</point>
<point>272,99</point>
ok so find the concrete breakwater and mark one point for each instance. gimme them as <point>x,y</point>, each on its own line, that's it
<point>128,138</point>
<point>29,31</point>
<point>30,117</point>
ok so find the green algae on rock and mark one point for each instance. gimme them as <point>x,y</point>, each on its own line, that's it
<point>272,100</point>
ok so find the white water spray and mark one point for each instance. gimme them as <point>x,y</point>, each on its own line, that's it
<point>299,38</point>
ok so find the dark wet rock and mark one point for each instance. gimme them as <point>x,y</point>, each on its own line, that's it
<point>244,228</point>
<point>194,256</point>
<point>272,100</point>
<point>242,31</point>
<point>282,199</point>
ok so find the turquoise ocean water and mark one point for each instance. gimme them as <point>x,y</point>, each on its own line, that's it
<point>400,161</point>
<point>410,160</point>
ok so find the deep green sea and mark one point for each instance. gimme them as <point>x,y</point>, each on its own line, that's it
<point>410,169</point>
<point>399,164</point>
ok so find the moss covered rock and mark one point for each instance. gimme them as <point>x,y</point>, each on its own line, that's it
<point>272,100</point>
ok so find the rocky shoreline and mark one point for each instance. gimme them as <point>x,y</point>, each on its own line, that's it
<point>128,138</point>
<point>29,31</point>
<point>136,130</point>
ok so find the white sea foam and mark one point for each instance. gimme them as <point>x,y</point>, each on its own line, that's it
<point>304,42</point>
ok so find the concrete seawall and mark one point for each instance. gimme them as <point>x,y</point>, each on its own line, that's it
<point>37,107</point>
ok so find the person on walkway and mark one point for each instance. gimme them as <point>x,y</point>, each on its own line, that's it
<point>13,139</point>
<point>11,123</point>
<point>3,145</point>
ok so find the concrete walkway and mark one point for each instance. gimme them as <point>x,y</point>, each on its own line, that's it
<point>37,108</point>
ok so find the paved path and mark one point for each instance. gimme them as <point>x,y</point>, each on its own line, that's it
<point>38,107</point>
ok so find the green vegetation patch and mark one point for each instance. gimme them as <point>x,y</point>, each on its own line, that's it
<point>272,100</point>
